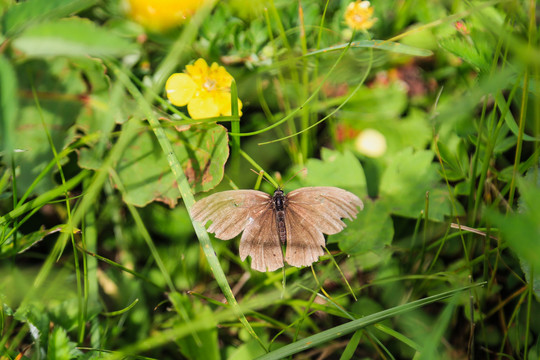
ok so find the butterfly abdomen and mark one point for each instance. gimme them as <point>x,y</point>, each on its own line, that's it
<point>282,231</point>
<point>279,202</point>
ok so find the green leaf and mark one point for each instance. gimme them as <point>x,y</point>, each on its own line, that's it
<point>458,109</point>
<point>202,344</point>
<point>531,272</point>
<point>531,177</point>
<point>509,119</point>
<point>349,351</point>
<point>31,12</point>
<point>8,106</point>
<point>25,242</point>
<point>372,230</point>
<point>60,348</point>
<point>522,230</point>
<point>378,45</point>
<point>455,164</point>
<point>57,89</point>
<point>72,37</point>
<point>247,350</point>
<point>34,315</point>
<point>344,329</point>
<point>143,169</point>
<point>406,181</point>
<point>463,49</point>
<point>334,169</point>
<point>375,105</point>
<point>433,339</point>
<point>399,132</point>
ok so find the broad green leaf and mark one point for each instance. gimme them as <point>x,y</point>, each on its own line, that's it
<point>399,132</point>
<point>456,165</point>
<point>38,320</point>
<point>59,87</point>
<point>249,349</point>
<point>371,230</point>
<point>145,174</point>
<point>376,104</point>
<point>407,179</point>
<point>31,12</point>
<point>531,177</point>
<point>521,230</point>
<point>334,169</point>
<point>60,347</point>
<point>72,37</point>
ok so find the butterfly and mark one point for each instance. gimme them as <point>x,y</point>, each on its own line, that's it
<point>297,219</point>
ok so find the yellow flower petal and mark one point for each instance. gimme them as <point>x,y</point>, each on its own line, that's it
<point>222,77</point>
<point>198,71</point>
<point>205,89</point>
<point>161,15</point>
<point>223,100</point>
<point>203,106</point>
<point>180,89</point>
<point>358,15</point>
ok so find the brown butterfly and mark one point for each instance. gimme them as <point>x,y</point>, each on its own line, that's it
<point>298,219</point>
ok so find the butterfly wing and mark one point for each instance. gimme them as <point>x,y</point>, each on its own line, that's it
<point>312,211</point>
<point>324,206</point>
<point>260,240</point>
<point>304,240</point>
<point>230,211</point>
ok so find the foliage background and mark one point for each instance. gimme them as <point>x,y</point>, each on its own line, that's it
<point>100,259</point>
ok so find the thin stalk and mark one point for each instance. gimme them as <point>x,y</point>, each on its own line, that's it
<point>187,196</point>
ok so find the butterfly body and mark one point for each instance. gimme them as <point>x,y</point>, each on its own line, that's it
<point>298,219</point>
<point>279,201</point>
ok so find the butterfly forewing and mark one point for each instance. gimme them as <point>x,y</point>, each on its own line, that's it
<point>324,207</point>
<point>310,212</point>
<point>260,240</point>
<point>230,211</point>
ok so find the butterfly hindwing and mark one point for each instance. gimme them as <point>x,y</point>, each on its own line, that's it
<point>260,240</point>
<point>304,241</point>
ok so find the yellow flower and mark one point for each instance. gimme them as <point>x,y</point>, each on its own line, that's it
<point>358,15</point>
<point>206,90</point>
<point>161,15</point>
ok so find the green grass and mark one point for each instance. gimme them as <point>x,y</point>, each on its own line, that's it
<point>99,256</point>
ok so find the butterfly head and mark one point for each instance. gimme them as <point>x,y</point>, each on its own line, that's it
<point>279,192</point>
<point>279,199</point>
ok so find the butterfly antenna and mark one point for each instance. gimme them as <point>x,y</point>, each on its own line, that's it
<point>293,176</point>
